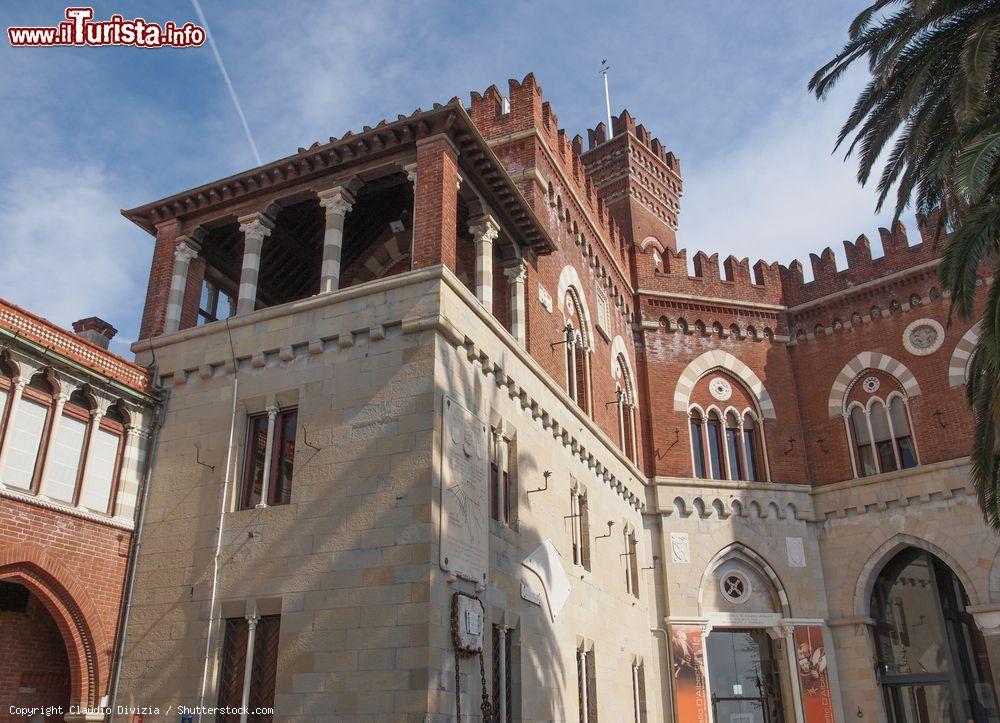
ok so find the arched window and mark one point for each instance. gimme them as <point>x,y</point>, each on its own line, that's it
<point>28,428</point>
<point>901,432</point>
<point>66,449</point>
<point>716,456</point>
<point>577,353</point>
<point>862,442</point>
<point>930,655</point>
<point>104,460</point>
<point>698,444</point>
<point>7,374</point>
<point>881,437</point>
<point>751,448</point>
<point>733,444</point>
<point>625,406</point>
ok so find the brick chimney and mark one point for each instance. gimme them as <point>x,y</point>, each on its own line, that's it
<point>95,330</point>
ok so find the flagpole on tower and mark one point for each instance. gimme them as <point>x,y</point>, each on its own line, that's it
<point>607,96</point>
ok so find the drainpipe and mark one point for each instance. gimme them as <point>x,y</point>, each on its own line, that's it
<point>125,604</point>
<point>222,520</point>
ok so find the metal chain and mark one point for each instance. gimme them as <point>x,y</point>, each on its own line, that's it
<point>486,707</point>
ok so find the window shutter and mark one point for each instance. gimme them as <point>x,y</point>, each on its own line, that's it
<point>25,439</point>
<point>65,452</point>
<point>99,477</point>
<point>234,649</point>
<point>265,666</point>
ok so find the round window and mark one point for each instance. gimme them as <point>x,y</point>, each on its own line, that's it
<point>735,587</point>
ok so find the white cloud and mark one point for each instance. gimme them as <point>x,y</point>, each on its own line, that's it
<point>777,193</point>
<point>66,256</point>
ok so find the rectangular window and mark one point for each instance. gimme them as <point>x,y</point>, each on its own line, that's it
<point>503,494</point>
<point>276,471</point>
<point>886,457</point>
<point>632,566</point>
<point>263,666</point>
<point>639,692</point>
<point>581,530</point>
<point>3,408</point>
<point>65,450</point>
<point>24,442</point>
<point>586,678</point>
<point>506,674</point>
<point>214,303</point>
<point>99,477</point>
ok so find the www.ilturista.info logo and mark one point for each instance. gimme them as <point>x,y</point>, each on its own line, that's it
<point>79,28</point>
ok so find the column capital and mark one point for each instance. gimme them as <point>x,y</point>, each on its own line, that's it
<point>256,226</point>
<point>411,172</point>
<point>484,228</point>
<point>61,399</point>
<point>187,249</point>
<point>272,411</point>
<point>337,201</point>
<point>518,273</point>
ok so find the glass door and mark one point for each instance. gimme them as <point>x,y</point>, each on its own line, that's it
<point>743,675</point>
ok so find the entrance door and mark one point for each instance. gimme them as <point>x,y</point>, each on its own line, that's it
<point>931,657</point>
<point>743,675</point>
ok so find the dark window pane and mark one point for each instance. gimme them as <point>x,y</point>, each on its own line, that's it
<point>907,455</point>
<point>698,447</point>
<point>715,449</point>
<point>750,445</point>
<point>253,473</point>
<point>733,445</point>
<point>886,457</point>
<point>284,448</point>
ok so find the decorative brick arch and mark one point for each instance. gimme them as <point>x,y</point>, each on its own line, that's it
<point>75,615</point>
<point>718,359</point>
<point>869,360</point>
<point>958,366</point>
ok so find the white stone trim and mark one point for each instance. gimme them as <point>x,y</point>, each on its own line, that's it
<point>958,365</point>
<point>869,360</point>
<point>718,359</point>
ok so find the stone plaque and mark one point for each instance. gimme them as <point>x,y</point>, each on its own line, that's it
<point>464,494</point>
<point>796,552</point>
<point>545,297</point>
<point>680,547</point>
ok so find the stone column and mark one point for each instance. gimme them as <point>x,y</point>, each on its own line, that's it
<point>95,424</point>
<point>337,202</point>
<point>252,621</point>
<point>255,227</point>
<point>485,231</point>
<point>50,440</point>
<point>14,401</point>
<point>272,413</point>
<point>517,275</point>
<point>186,250</point>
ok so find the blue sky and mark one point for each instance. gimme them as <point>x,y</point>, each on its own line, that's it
<point>88,131</point>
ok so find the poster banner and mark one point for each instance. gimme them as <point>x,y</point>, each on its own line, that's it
<point>690,689</point>
<point>814,678</point>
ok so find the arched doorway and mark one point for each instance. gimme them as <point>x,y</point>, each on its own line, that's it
<point>930,656</point>
<point>36,671</point>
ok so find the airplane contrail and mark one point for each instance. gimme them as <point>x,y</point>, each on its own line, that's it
<point>229,83</point>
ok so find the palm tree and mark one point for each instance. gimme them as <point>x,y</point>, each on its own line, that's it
<point>932,108</point>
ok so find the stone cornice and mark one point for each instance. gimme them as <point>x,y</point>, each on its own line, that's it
<point>30,499</point>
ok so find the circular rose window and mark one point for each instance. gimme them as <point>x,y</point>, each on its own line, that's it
<point>870,384</point>
<point>735,587</point>
<point>923,337</point>
<point>720,389</point>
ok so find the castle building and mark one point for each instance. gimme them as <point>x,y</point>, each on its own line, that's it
<point>75,434</point>
<point>448,418</point>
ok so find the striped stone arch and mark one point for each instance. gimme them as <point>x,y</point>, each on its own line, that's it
<point>570,279</point>
<point>869,360</point>
<point>718,359</point>
<point>958,367</point>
